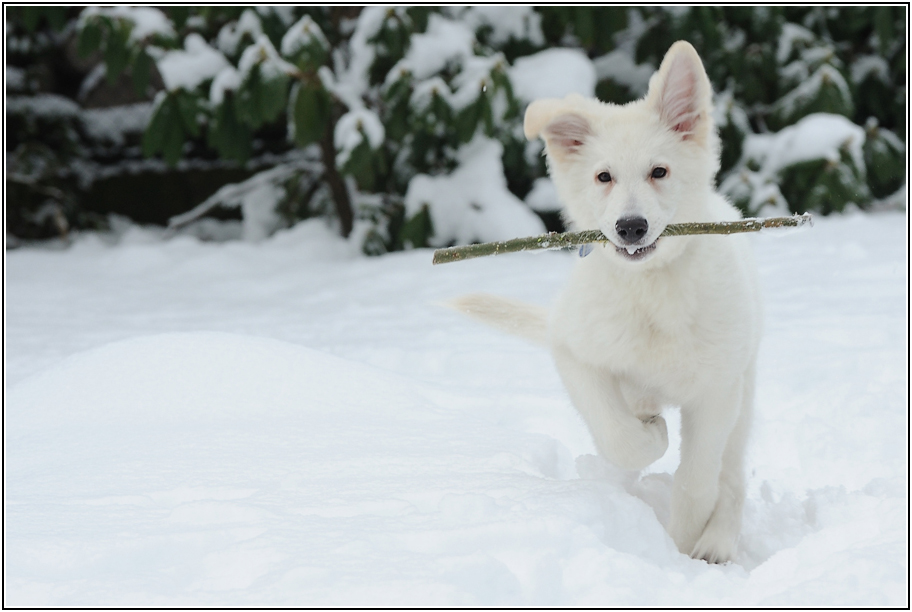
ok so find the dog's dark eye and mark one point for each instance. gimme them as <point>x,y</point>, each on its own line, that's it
<point>604,177</point>
<point>659,172</point>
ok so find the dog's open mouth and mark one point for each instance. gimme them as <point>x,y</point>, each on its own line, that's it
<point>634,253</point>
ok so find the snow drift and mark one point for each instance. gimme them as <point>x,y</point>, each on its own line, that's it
<point>288,423</point>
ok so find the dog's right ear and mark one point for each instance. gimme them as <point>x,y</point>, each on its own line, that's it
<point>564,130</point>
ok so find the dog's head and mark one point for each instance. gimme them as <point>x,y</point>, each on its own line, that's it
<point>631,170</point>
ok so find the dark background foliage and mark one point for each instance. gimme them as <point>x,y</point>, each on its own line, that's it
<point>68,69</point>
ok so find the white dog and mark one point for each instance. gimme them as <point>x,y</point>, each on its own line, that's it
<point>648,321</point>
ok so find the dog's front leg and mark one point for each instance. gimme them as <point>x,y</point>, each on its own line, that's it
<point>720,537</point>
<point>625,423</point>
<point>706,428</point>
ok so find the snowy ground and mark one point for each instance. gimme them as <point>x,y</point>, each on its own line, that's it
<point>290,423</point>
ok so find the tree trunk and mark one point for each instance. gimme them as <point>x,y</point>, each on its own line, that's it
<point>335,181</point>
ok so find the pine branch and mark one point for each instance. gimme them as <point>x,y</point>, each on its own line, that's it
<point>554,240</point>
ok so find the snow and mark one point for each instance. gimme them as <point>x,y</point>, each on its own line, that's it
<point>351,129</point>
<point>543,196</point>
<point>792,36</point>
<point>443,42</point>
<point>869,65</point>
<point>285,13</point>
<point>809,88</point>
<point>619,67</point>
<point>15,79</point>
<point>348,79</point>
<point>42,105</point>
<point>231,34</point>
<point>472,203</point>
<point>474,79</point>
<point>112,124</point>
<point>424,92</point>
<point>257,198</point>
<point>92,80</point>
<point>815,136</point>
<point>727,110</point>
<point>290,423</point>
<point>448,43</point>
<point>261,53</point>
<point>303,34</point>
<point>553,73</point>
<point>506,23</point>
<point>146,21</point>
<point>228,79</point>
<point>198,62</point>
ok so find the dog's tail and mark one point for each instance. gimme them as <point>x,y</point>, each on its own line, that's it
<point>517,318</point>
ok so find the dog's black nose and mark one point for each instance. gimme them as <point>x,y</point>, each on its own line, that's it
<point>631,229</point>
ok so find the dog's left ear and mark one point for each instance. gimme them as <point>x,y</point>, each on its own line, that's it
<point>681,94</point>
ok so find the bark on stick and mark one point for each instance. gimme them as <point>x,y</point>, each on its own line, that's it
<point>554,240</point>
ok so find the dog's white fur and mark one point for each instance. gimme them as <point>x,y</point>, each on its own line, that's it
<point>675,325</point>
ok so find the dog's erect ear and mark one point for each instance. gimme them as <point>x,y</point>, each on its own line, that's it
<point>564,130</point>
<point>680,92</point>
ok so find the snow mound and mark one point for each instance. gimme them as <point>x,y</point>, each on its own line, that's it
<point>196,379</point>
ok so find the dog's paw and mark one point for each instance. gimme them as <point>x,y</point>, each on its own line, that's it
<point>657,431</point>
<point>714,547</point>
<point>643,444</point>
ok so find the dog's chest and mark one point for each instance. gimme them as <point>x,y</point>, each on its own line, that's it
<point>656,332</point>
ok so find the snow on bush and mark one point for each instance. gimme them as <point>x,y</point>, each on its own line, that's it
<point>112,124</point>
<point>144,21</point>
<point>353,128</point>
<point>817,136</point>
<point>472,204</point>
<point>384,94</point>
<point>553,73</point>
<point>505,23</point>
<point>228,79</point>
<point>830,145</point>
<point>303,34</point>
<point>543,197</point>
<point>619,67</point>
<point>444,41</point>
<point>198,62</point>
<point>231,34</point>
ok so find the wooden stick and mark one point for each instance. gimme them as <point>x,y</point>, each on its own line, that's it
<point>554,240</point>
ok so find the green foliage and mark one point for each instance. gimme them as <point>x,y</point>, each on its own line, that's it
<point>365,165</point>
<point>593,27</point>
<point>417,230</point>
<point>227,134</point>
<point>884,156</point>
<point>173,121</point>
<point>771,66</point>
<point>33,17</point>
<point>261,97</point>
<point>823,185</point>
<point>311,108</point>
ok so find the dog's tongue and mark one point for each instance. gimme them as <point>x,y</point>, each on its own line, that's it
<point>631,250</point>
